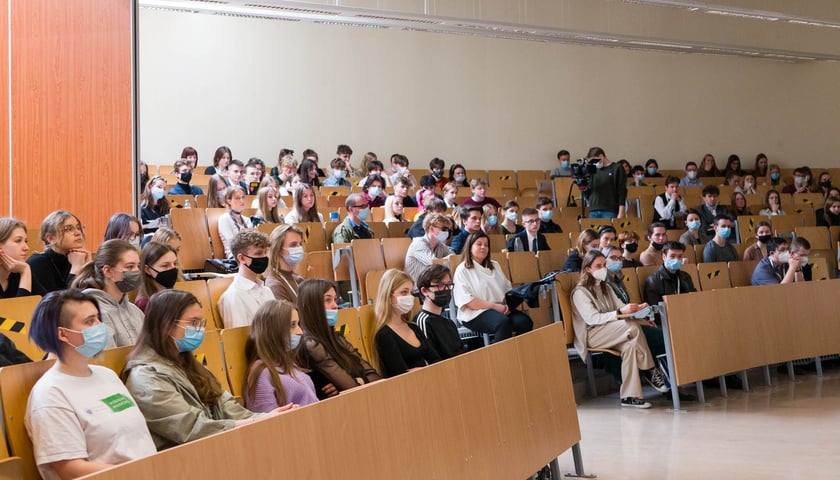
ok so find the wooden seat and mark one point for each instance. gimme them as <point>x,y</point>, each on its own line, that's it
<point>191,224</point>
<point>568,223</point>
<point>818,237</point>
<point>213,215</point>
<point>336,201</point>
<point>502,179</point>
<point>394,250</point>
<point>334,191</point>
<point>209,354</point>
<point>594,223</point>
<point>642,273</point>
<point>713,276</point>
<point>740,272</point>
<point>528,180</point>
<point>785,225</point>
<point>313,236</point>
<point>565,192</point>
<point>15,316</point>
<point>379,229</point>
<point>33,239</point>
<point>399,229</point>
<point>523,267</point>
<point>367,326</point>
<point>16,381</point>
<point>630,224</point>
<point>645,206</point>
<point>267,228</point>
<point>558,241</point>
<point>698,252</point>
<point>820,269</point>
<point>372,279</point>
<point>199,289</point>
<point>316,264</point>
<point>113,358</point>
<point>550,261</point>
<point>236,365</point>
<point>348,325</point>
<point>631,282</point>
<point>497,242</point>
<point>367,256</point>
<point>216,287</point>
<point>180,201</point>
<point>815,200</point>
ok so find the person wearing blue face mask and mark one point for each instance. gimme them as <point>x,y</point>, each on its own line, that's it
<point>80,417</point>
<point>490,221</point>
<point>694,233</point>
<point>339,171</point>
<point>285,253</point>
<point>564,170</point>
<point>710,208</point>
<point>652,168</point>
<point>273,378</point>
<point>180,398</point>
<point>546,210</point>
<point>669,279</point>
<point>718,249</point>
<point>239,303</point>
<point>153,204</point>
<point>354,226</point>
<point>330,359</point>
<point>637,173</point>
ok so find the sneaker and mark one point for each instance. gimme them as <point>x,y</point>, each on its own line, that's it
<point>635,402</point>
<point>656,380</point>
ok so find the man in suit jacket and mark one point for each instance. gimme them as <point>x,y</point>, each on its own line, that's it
<point>524,240</point>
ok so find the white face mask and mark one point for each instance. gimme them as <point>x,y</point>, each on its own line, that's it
<point>783,257</point>
<point>404,304</point>
<point>600,274</point>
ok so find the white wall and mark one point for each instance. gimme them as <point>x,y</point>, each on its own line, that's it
<point>259,85</point>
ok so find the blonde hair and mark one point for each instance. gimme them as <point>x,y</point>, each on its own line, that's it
<point>8,226</point>
<point>52,226</point>
<point>277,238</point>
<point>270,215</point>
<point>383,309</point>
<point>389,209</point>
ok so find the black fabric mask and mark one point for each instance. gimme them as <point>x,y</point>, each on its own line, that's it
<point>186,177</point>
<point>442,298</point>
<point>258,264</point>
<point>657,246</point>
<point>764,238</point>
<point>167,278</point>
<point>825,185</point>
<point>631,247</point>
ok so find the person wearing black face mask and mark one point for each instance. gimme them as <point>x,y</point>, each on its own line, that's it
<point>435,286</point>
<point>628,240</point>
<point>159,264</point>
<point>247,293</point>
<point>183,170</point>
<point>657,236</point>
<point>758,250</point>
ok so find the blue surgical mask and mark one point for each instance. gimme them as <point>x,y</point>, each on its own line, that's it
<point>332,317</point>
<point>339,173</point>
<point>192,339</point>
<point>511,216</point>
<point>158,193</point>
<point>651,171</point>
<point>565,164</point>
<point>640,178</point>
<point>599,165</point>
<point>295,256</point>
<point>460,178</point>
<point>364,213</point>
<point>294,341</point>
<point>694,225</point>
<point>492,220</point>
<point>374,191</point>
<point>774,177</point>
<point>673,264</point>
<point>545,215</point>
<point>96,339</point>
<point>614,266</point>
<point>724,232</point>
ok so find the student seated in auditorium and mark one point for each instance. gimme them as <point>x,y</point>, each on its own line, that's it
<point>779,266</point>
<point>801,182</point>
<point>586,240</point>
<point>628,240</point>
<point>251,176</point>
<point>530,239</point>
<point>153,204</point>
<point>710,208</point>
<point>733,165</point>
<point>563,169</point>
<point>338,172</point>
<point>511,213</point>
<point>239,303</point>
<point>669,205</point>
<point>183,171</point>
<point>739,207</point>
<point>669,279</point>
<point>216,186</point>
<point>423,250</point>
<point>733,180</point>
<point>375,167</point>
<point>748,187</point>
<point>109,277</point>
<point>434,206</point>
<point>169,237</point>
<point>436,171</point>
<point>64,256</point>
<point>124,227</point>
<point>490,222</point>
<point>374,191</point>
<point>652,168</point>
<point>708,167</point>
<point>690,179</point>
<point>344,152</point>
<point>824,183</point>
<point>80,417</point>
<point>364,165</point>
<point>330,359</point>
<point>285,252</point>
<point>233,221</point>
<point>450,194</point>
<point>402,188</point>
<point>312,156</point>
<point>310,173</point>
<point>472,216</point>
<point>399,346</point>
<point>181,399</point>
<point>657,237</point>
<point>758,250</point>
<point>606,237</point>
<point>305,208</point>
<point>718,249</point>
<point>354,226</point>
<point>435,288</point>
<point>478,186</point>
<point>799,248</point>
<point>760,166</point>
<point>271,349</point>
<point>399,168</point>
<point>772,204</point>
<point>394,210</point>
<point>286,168</point>
<point>458,174</point>
<point>595,309</point>
<point>637,173</point>
<point>774,173</point>
<point>269,204</point>
<point>159,264</point>
<point>221,160</point>
<point>545,206</point>
<point>15,273</point>
<point>236,173</point>
<point>829,215</point>
<point>480,288</point>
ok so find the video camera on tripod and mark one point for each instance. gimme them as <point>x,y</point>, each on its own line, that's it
<point>582,170</point>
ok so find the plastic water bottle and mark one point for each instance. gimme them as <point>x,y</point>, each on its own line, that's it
<point>517,245</point>
<point>187,204</point>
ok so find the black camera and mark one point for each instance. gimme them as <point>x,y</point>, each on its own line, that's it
<point>582,170</point>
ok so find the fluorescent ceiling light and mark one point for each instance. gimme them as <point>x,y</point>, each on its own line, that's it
<point>724,10</point>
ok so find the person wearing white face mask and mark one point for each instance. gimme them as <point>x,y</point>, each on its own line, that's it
<point>778,266</point>
<point>354,226</point>
<point>284,254</point>
<point>690,179</point>
<point>125,227</point>
<point>71,435</point>
<point>430,246</point>
<point>595,309</point>
<point>398,346</point>
<point>718,249</point>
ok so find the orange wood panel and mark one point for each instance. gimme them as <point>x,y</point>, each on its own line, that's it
<point>71,110</point>
<point>4,108</point>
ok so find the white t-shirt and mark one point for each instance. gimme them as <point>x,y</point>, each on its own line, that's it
<point>92,418</point>
<point>240,302</point>
<point>478,282</point>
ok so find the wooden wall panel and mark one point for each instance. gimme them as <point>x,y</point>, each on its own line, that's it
<point>71,110</point>
<point>4,108</point>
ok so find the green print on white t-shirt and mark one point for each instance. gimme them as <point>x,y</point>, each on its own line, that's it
<point>118,402</point>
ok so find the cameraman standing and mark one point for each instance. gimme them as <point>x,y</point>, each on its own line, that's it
<point>607,187</point>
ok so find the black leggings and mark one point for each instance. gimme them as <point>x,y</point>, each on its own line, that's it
<point>500,325</point>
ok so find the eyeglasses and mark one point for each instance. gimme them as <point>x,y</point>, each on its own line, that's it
<point>530,222</point>
<point>73,228</point>
<point>198,323</point>
<point>442,286</point>
<point>360,206</point>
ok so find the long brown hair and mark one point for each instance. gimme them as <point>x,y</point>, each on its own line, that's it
<point>278,237</point>
<point>162,314</point>
<point>152,252</point>
<point>269,347</point>
<point>310,215</point>
<point>586,278</point>
<point>162,206</point>
<point>467,253</point>
<point>109,253</point>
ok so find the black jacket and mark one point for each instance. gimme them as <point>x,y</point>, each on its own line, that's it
<point>542,244</point>
<point>663,283</point>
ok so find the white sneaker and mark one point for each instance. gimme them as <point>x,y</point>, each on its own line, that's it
<point>635,402</point>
